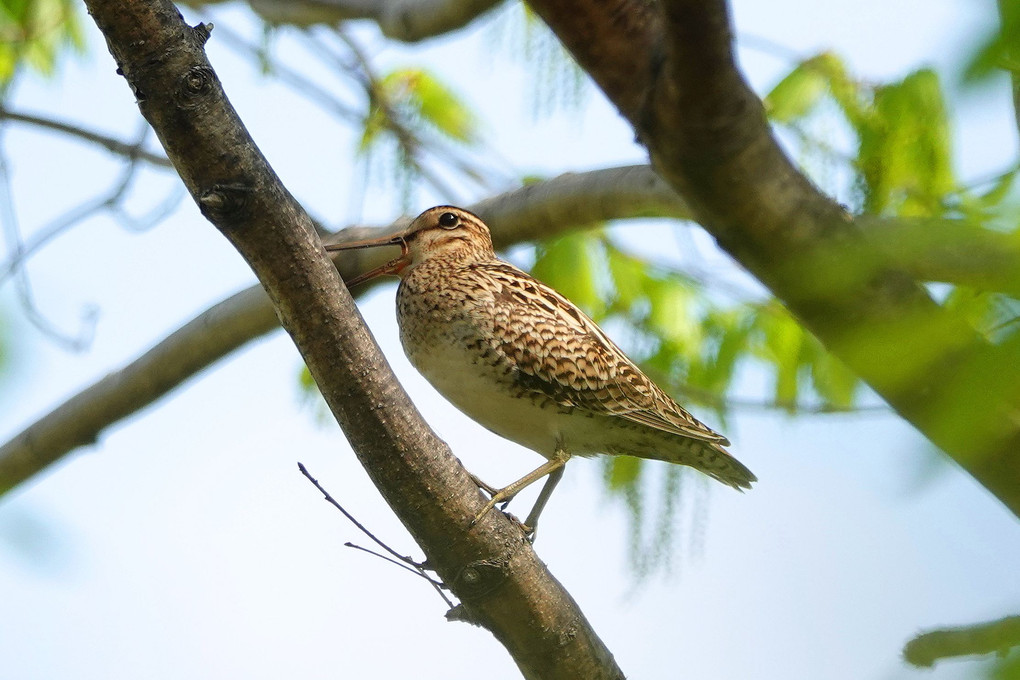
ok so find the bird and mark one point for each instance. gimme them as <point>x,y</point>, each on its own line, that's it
<point>526,363</point>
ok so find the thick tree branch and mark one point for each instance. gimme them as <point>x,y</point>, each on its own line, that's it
<point>669,67</point>
<point>491,567</point>
<point>995,637</point>
<point>933,250</point>
<point>405,20</point>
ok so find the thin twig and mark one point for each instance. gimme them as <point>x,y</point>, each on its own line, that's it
<point>304,86</point>
<point>401,560</point>
<point>23,286</point>
<point>132,151</point>
<point>437,585</point>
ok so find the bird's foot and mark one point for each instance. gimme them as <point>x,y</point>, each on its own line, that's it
<point>529,532</point>
<point>487,488</point>
<point>497,496</point>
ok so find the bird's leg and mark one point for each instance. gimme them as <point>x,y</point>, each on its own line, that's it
<point>554,478</point>
<point>508,492</point>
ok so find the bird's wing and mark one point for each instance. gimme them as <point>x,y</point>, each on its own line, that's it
<point>560,352</point>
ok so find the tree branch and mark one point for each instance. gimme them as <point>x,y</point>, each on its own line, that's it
<point>544,209</point>
<point>405,20</point>
<point>131,151</point>
<point>673,75</point>
<point>983,638</point>
<point>934,250</point>
<point>501,583</point>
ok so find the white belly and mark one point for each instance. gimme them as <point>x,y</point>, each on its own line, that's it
<point>475,388</point>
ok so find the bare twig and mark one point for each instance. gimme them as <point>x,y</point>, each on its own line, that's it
<point>304,86</point>
<point>12,233</point>
<point>110,201</point>
<point>361,527</point>
<point>401,561</point>
<point>132,151</point>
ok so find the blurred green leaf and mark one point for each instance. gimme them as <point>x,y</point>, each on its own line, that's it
<point>571,265</point>
<point>728,331</point>
<point>428,100</point>
<point>781,342</point>
<point>37,33</point>
<point>800,91</point>
<point>904,155</point>
<point>622,472</point>
<point>1006,668</point>
<point>1000,49</point>
<point>670,316</point>
<point>836,384</point>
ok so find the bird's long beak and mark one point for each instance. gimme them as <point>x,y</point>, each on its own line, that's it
<point>394,266</point>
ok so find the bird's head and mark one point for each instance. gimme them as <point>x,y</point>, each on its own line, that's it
<point>441,232</point>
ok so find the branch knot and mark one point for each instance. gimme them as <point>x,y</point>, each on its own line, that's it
<point>195,85</point>
<point>223,200</point>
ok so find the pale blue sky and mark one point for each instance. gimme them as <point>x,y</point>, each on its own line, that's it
<point>187,545</point>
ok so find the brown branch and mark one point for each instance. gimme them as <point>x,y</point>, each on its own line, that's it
<point>406,20</point>
<point>501,583</point>
<point>994,637</point>
<point>673,75</point>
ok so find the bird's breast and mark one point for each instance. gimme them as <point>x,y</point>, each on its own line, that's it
<point>450,341</point>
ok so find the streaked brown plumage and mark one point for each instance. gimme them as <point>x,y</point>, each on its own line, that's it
<point>522,360</point>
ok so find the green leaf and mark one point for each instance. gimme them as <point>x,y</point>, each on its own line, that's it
<point>428,99</point>
<point>630,278</point>
<point>798,93</point>
<point>571,264</point>
<point>836,384</point>
<point>1000,48</point>
<point>904,154</point>
<point>622,472</point>
<point>730,330</point>
<point>36,34</point>
<point>672,316</point>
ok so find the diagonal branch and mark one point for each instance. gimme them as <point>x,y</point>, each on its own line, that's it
<point>492,568</point>
<point>670,69</point>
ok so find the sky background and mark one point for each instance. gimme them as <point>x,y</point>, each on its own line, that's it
<point>186,544</point>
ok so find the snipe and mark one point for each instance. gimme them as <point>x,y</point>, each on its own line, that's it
<point>522,360</point>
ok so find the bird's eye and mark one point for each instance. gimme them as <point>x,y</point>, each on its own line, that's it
<point>448,220</point>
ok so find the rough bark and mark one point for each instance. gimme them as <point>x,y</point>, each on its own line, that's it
<point>499,579</point>
<point>669,68</point>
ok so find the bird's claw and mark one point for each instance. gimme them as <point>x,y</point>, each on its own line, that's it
<point>529,532</point>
